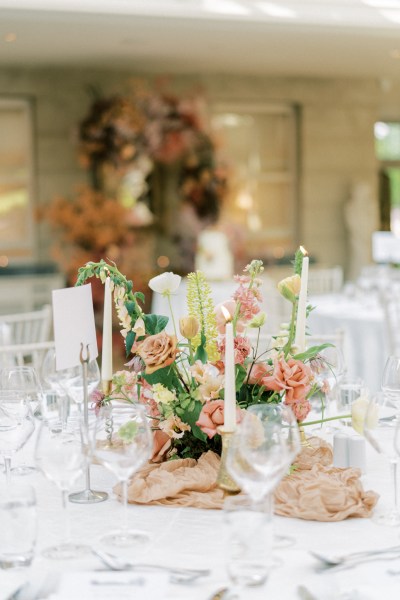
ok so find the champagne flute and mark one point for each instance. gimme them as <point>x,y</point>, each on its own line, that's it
<point>59,456</point>
<point>380,433</point>
<point>128,449</point>
<point>16,426</point>
<point>391,381</point>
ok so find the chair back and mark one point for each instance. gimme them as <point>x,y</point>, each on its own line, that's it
<point>24,355</point>
<point>30,327</point>
<point>390,303</point>
<point>325,281</point>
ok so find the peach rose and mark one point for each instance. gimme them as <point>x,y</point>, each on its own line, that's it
<point>258,371</point>
<point>157,351</point>
<point>161,445</point>
<point>293,377</point>
<point>212,416</point>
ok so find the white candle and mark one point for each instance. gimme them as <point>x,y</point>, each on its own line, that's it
<point>300,339</point>
<point>230,394</point>
<point>106,358</point>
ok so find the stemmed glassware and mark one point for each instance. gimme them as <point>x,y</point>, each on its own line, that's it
<point>23,381</point>
<point>329,371</point>
<point>262,450</point>
<point>123,454</point>
<point>16,426</point>
<point>69,382</point>
<point>391,381</point>
<point>60,457</point>
<point>381,434</point>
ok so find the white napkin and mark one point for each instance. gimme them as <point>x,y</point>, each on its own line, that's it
<point>10,583</point>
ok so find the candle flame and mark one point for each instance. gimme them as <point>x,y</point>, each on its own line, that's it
<point>226,314</point>
<point>303,250</point>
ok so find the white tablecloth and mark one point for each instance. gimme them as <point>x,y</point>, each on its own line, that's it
<point>362,320</point>
<point>191,537</point>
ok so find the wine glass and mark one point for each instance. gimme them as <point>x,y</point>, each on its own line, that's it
<point>380,433</point>
<point>391,381</point>
<point>59,456</point>
<point>128,449</point>
<point>56,381</point>
<point>24,381</point>
<point>69,382</point>
<point>262,450</point>
<point>16,426</point>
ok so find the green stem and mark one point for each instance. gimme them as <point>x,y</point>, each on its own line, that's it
<point>172,313</point>
<point>325,420</point>
<point>292,330</point>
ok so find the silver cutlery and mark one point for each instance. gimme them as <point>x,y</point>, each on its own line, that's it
<point>178,574</point>
<point>333,561</point>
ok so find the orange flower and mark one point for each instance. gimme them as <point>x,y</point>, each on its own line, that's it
<point>157,351</point>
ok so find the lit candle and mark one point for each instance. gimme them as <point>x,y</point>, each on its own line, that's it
<point>300,339</point>
<point>106,358</point>
<point>230,393</point>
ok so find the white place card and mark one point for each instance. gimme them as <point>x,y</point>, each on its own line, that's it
<point>101,585</point>
<point>73,319</point>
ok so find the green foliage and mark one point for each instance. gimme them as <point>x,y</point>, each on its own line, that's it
<point>155,323</point>
<point>200,305</point>
<point>312,352</point>
<point>129,341</point>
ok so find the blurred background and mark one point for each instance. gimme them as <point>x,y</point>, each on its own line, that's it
<point>175,134</point>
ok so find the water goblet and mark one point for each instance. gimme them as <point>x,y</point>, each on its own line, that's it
<point>122,454</point>
<point>380,433</point>
<point>16,426</point>
<point>329,370</point>
<point>59,456</point>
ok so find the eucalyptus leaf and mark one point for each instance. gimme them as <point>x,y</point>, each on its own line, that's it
<point>155,323</point>
<point>311,352</point>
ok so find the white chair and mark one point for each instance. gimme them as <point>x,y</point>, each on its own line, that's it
<point>24,354</point>
<point>30,327</point>
<point>325,281</point>
<point>390,302</point>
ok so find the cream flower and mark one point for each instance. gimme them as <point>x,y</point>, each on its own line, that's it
<point>165,284</point>
<point>290,287</point>
<point>364,413</point>
<point>209,390</point>
<point>139,327</point>
<point>162,394</point>
<point>258,320</point>
<point>174,427</point>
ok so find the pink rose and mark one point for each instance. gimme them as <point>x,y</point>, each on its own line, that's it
<point>157,351</point>
<point>258,371</point>
<point>293,377</point>
<point>212,416</point>
<point>220,318</point>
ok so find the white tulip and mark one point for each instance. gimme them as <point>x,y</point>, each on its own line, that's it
<point>165,284</point>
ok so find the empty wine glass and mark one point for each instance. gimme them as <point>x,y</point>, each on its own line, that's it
<point>56,381</point>
<point>24,381</point>
<point>72,381</point>
<point>263,448</point>
<point>391,381</point>
<point>60,457</point>
<point>328,369</point>
<point>380,433</point>
<point>128,449</point>
<point>16,426</point>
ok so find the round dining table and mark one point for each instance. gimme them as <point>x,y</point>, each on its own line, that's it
<point>183,536</point>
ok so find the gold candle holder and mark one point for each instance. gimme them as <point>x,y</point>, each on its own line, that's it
<point>303,438</point>
<point>106,386</point>
<point>224,480</point>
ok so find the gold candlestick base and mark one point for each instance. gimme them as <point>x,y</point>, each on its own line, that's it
<point>106,386</point>
<point>303,439</point>
<point>224,480</point>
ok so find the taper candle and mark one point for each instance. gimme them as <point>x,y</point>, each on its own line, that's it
<point>106,358</point>
<point>300,338</point>
<point>230,393</point>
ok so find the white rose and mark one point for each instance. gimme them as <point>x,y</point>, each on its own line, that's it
<point>165,284</point>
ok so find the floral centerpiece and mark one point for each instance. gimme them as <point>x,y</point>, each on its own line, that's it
<point>179,376</point>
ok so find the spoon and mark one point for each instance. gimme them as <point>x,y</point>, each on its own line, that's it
<point>332,561</point>
<point>178,574</point>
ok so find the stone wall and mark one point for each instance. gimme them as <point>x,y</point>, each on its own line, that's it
<point>336,139</point>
